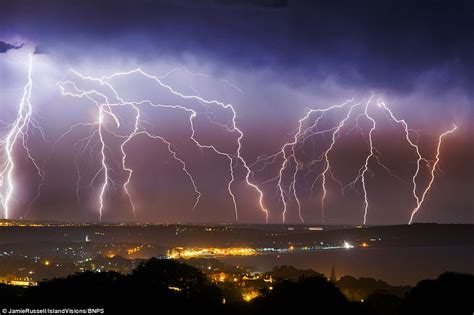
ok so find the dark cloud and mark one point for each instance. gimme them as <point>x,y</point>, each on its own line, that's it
<point>286,54</point>
<point>4,47</point>
<point>380,44</point>
<point>253,3</point>
<point>40,50</point>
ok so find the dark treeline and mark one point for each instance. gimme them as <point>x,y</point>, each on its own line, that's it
<point>157,286</point>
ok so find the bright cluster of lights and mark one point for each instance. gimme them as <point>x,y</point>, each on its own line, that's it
<point>210,252</point>
<point>134,250</point>
<point>250,295</point>
<point>348,245</point>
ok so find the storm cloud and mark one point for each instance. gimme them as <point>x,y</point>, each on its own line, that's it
<point>4,47</point>
<point>284,56</point>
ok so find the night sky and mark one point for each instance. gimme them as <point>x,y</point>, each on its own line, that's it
<point>270,59</point>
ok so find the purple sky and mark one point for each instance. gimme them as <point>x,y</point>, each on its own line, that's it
<point>272,60</point>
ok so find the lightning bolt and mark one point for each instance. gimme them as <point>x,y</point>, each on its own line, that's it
<point>419,199</point>
<point>432,173</point>
<point>288,154</point>
<point>290,158</point>
<point>98,129</point>
<point>367,159</point>
<point>234,158</point>
<point>19,133</point>
<point>327,168</point>
<point>108,102</point>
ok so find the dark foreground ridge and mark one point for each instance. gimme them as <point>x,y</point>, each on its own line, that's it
<point>159,285</point>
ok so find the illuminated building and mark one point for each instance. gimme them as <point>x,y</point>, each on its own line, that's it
<point>18,281</point>
<point>134,250</point>
<point>180,252</point>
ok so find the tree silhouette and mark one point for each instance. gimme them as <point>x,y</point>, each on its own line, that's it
<point>286,272</point>
<point>88,289</point>
<point>384,303</point>
<point>159,286</point>
<point>174,280</point>
<point>307,295</point>
<point>359,289</point>
<point>451,293</point>
<point>155,284</point>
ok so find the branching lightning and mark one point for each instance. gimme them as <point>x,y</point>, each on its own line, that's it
<point>19,132</point>
<point>289,161</point>
<point>106,108</point>
<point>421,199</point>
<point>288,156</point>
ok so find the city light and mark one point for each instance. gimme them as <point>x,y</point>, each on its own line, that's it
<point>236,157</point>
<point>347,245</point>
<point>249,296</point>
<point>134,250</point>
<point>186,253</point>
